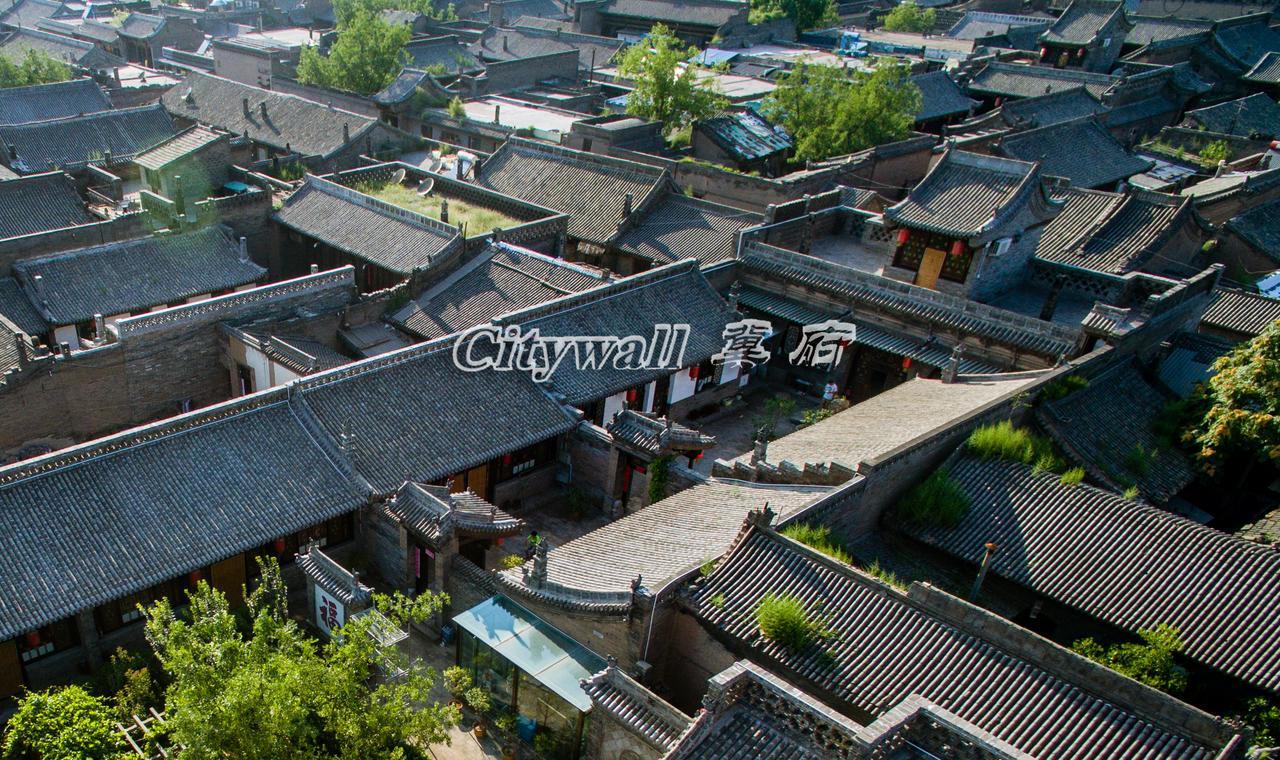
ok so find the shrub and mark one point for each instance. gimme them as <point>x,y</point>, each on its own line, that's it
<point>1216,151</point>
<point>1131,493</point>
<point>718,601</point>
<point>1072,477</point>
<point>1264,716</point>
<point>658,470</point>
<point>1138,460</point>
<point>935,502</point>
<point>512,561</point>
<point>1150,662</point>
<point>885,575</point>
<point>477,699</point>
<point>818,537</point>
<point>455,108</point>
<point>1003,441</point>
<point>457,680</point>
<point>784,620</point>
<point>1063,387</point>
<point>62,722</point>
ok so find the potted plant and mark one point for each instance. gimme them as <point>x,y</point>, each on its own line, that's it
<point>478,699</point>
<point>457,680</point>
<point>505,723</point>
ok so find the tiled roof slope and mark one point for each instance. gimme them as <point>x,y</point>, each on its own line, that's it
<point>940,96</point>
<point>1159,31</point>
<point>1254,114</point>
<point>415,415</point>
<point>304,126</point>
<point>974,25</point>
<point>16,46</point>
<point>1120,561</point>
<point>122,277</point>
<point>676,294</point>
<point>79,140</point>
<point>1020,81</point>
<point>1083,21</point>
<point>634,706</point>
<point>1130,236</point>
<point>1265,71</point>
<point>52,101</point>
<point>91,524</point>
<point>443,53</point>
<point>502,44</point>
<point>1260,227</point>
<point>18,309</point>
<point>885,647</point>
<point>28,13</point>
<point>1079,150</point>
<point>679,227</point>
<point>1084,211</point>
<point>1101,426</point>
<point>1247,39</point>
<point>39,203</point>
<point>1240,312</point>
<point>179,146</point>
<point>141,26</point>
<point>500,280</point>
<point>370,229</point>
<point>591,189</point>
<point>745,135</point>
<point>1054,108</point>
<point>695,12</point>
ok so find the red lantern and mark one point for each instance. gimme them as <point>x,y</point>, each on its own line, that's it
<point>33,640</point>
<point>194,577</point>
<point>957,248</point>
<point>506,460</point>
<point>1080,53</point>
<point>904,235</point>
<point>698,455</point>
<point>906,363</point>
<point>844,342</point>
<point>498,541</point>
<point>631,396</point>
<point>1044,52</point>
<point>279,545</point>
<point>693,372</point>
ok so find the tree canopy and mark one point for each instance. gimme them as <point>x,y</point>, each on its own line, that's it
<point>1151,662</point>
<point>664,90</point>
<point>368,54</point>
<point>909,17</point>
<point>35,68</point>
<point>274,692</point>
<point>808,14</point>
<point>61,724</point>
<point>346,10</point>
<point>1241,421</point>
<point>831,112</point>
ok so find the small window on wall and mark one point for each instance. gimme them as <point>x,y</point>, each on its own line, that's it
<point>48,639</point>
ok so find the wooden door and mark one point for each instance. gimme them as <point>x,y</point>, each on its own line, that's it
<point>930,268</point>
<point>10,669</point>
<point>478,480</point>
<point>228,576</point>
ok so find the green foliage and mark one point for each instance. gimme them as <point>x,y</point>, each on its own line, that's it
<point>1216,151</point>
<point>936,501</point>
<point>1241,421</point>
<point>457,680</point>
<point>293,171</point>
<point>819,537</point>
<point>65,723</point>
<point>368,54</point>
<point>909,17</point>
<point>658,472</point>
<point>808,14</point>
<point>1131,493</point>
<point>1003,441</point>
<point>664,90</point>
<point>512,561</point>
<point>1072,477</point>
<point>1063,387</point>
<point>718,601</point>
<point>707,568</point>
<point>477,699</point>
<point>1264,716</point>
<point>776,409</point>
<point>126,680</point>
<point>831,112</point>
<point>884,575</point>
<point>1138,460</point>
<point>274,692</point>
<point>506,722</point>
<point>820,413</point>
<point>456,109</point>
<point>784,620</point>
<point>35,68</point>
<point>1151,662</point>
<point>345,10</point>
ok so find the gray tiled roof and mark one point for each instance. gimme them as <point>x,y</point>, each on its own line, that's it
<point>443,53</point>
<point>18,309</point>
<point>180,146</point>
<point>79,140</point>
<point>613,692</point>
<point>745,135</point>
<point>941,96</point>
<point>1079,150</point>
<point>414,415</point>
<point>1100,426</point>
<point>28,13</point>
<point>1127,238</point>
<point>335,579</point>
<point>1128,564</point>
<point>1054,108</point>
<point>679,227</point>
<point>966,194</point>
<point>714,13</point>
<point>1265,71</point>
<point>1240,312</point>
<point>304,126</point>
<point>435,513</point>
<point>1022,81</point>
<point>1254,114</point>
<point>39,203</point>
<point>91,524</point>
<point>974,25</point>
<point>1083,21</point>
<point>86,54</point>
<point>1158,31</point>
<point>1247,39</point>
<point>1190,361</point>
<point>1260,227</point>
<point>393,238</point>
<point>673,295</point>
<point>118,278</point>
<point>52,101</point>
<point>542,10</point>
<point>141,26</point>
<point>884,647</point>
<point>501,44</point>
<point>654,435</point>
<point>499,280</point>
<point>591,189</point>
<point>1083,212</point>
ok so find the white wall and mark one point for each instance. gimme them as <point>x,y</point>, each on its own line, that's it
<point>681,386</point>
<point>613,405</point>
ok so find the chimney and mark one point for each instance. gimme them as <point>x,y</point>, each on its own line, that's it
<point>626,206</point>
<point>262,107</point>
<point>444,210</point>
<point>475,168</point>
<point>505,48</point>
<point>735,292</point>
<point>982,571</point>
<point>100,328</point>
<point>1051,300</point>
<point>952,369</point>
<point>244,102</point>
<point>244,248</point>
<point>21,343</point>
<point>346,134</point>
<point>106,158</point>
<point>497,111</point>
<point>761,449</point>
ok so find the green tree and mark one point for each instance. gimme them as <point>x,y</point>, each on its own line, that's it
<point>909,17</point>
<point>664,90</point>
<point>1241,424</point>
<point>65,723</point>
<point>368,54</point>
<point>35,68</point>
<point>345,10</point>
<point>1216,151</point>
<point>1151,662</point>
<point>1264,716</point>
<point>456,109</point>
<point>808,14</point>
<point>273,692</point>
<point>831,112</point>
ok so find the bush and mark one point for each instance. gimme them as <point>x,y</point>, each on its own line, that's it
<point>477,699</point>
<point>1150,662</point>
<point>1003,441</point>
<point>512,561</point>
<point>1063,387</point>
<point>66,722</point>
<point>1138,460</point>
<point>658,470</point>
<point>1131,493</point>
<point>457,680</point>
<point>1072,477</point>
<point>718,601</point>
<point>908,17</point>
<point>1264,716</point>
<point>936,502</point>
<point>1216,151</point>
<point>819,537</point>
<point>784,620</point>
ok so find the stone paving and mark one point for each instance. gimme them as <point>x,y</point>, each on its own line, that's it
<point>735,428</point>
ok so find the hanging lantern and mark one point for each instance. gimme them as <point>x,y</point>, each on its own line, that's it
<point>498,541</point>
<point>844,342</point>
<point>1044,52</point>
<point>697,456</point>
<point>506,460</point>
<point>1080,53</point>
<point>904,235</point>
<point>631,396</point>
<point>33,640</point>
<point>194,577</point>
<point>693,372</point>
<point>957,248</point>
<point>279,545</point>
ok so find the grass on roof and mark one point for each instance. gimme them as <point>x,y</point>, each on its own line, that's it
<point>478,219</point>
<point>1003,441</point>
<point>784,620</point>
<point>819,537</point>
<point>935,502</point>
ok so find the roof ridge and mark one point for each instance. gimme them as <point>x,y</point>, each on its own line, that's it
<point>73,253</point>
<point>610,163</point>
<point>107,114</point>
<point>598,293</point>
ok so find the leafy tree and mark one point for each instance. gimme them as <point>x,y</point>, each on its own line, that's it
<point>1150,662</point>
<point>456,109</point>
<point>275,693</point>
<point>62,724</point>
<point>1242,420</point>
<point>368,54</point>
<point>1264,716</point>
<point>346,10</point>
<point>664,91</point>
<point>1216,151</point>
<point>35,68</point>
<point>909,17</point>
<point>808,14</point>
<point>830,112</point>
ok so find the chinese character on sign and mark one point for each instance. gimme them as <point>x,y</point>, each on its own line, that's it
<point>823,343</point>
<point>328,613</point>
<point>744,343</point>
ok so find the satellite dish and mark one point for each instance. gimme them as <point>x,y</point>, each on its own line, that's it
<point>398,176</point>
<point>425,186</point>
